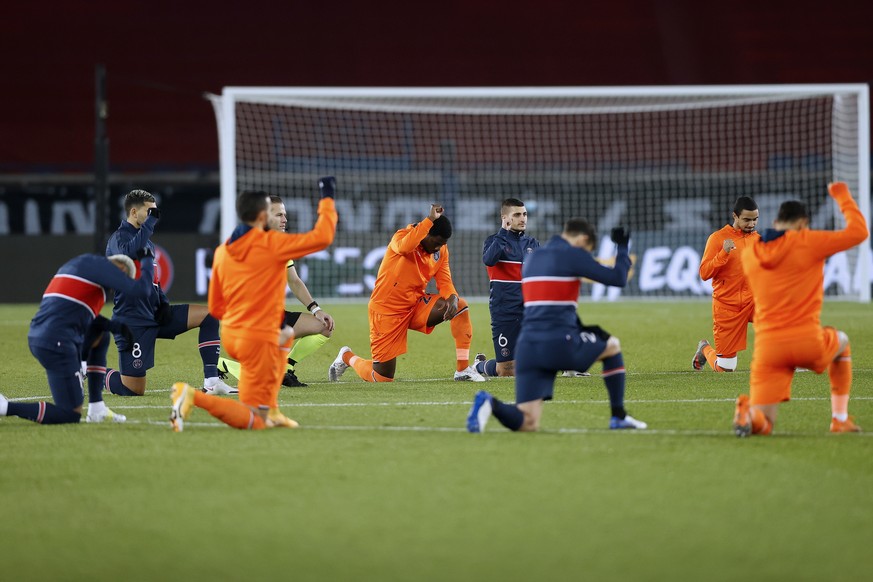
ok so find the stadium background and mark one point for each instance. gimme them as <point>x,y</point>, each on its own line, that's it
<point>161,57</point>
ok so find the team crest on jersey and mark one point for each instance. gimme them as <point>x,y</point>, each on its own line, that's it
<point>436,256</point>
<point>528,250</point>
<point>137,363</point>
<point>504,352</point>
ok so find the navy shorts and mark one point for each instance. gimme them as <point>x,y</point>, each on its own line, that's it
<point>64,370</point>
<point>542,354</point>
<point>504,334</point>
<point>136,359</point>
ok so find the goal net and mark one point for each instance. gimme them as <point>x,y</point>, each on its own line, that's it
<point>669,162</point>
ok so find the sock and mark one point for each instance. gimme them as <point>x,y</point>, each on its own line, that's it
<point>42,412</point>
<point>614,378</point>
<point>760,423</point>
<point>230,412</point>
<point>840,374</point>
<point>462,331</point>
<point>209,346</point>
<point>509,415</point>
<point>487,368</point>
<point>95,369</point>
<point>115,385</point>
<point>364,368</point>
<point>306,346</point>
<point>711,356</point>
<point>233,367</point>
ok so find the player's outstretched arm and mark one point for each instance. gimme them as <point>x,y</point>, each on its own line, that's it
<point>294,246</point>
<point>407,240</point>
<point>824,242</point>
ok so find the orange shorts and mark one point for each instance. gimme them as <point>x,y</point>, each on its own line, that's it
<point>263,365</point>
<point>774,361</point>
<point>730,327</point>
<point>388,332</point>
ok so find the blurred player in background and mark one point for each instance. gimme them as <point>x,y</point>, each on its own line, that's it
<point>68,329</point>
<point>553,338</point>
<point>399,302</point>
<point>247,293</point>
<point>152,317</point>
<point>504,254</point>
<point>311,330</point>
<point>732,304</point>
<point>786,273</point>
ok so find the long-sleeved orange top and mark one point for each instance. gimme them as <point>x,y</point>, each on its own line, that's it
<point>247,289</point>
<point>729,286</point>
<point>406,270</point>
<point>786,271</point>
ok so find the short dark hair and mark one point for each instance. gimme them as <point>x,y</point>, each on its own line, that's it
<point>792,210</point>
<point>276,199</point>
<point>577,226</point>
<point>136,198</point>
<point>250,203</point>
<point>442,226</point>
<point>744,203</point>
<point>509,202</point>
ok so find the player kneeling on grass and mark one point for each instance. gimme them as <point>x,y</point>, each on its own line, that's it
<point>399,303</point>
<point>553,338</point>
<point>311,330</point>
<point>247,293</point>
<point>785,269</point>
<point>68,329</point>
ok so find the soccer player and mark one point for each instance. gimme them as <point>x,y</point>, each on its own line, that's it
<point>68,329</point>
<point>311,330</point>
<point>152,317</point>
<point>732,304</point>
<point>504,254</point>
<point>553,338</point>
<point>786,272</point>
<point>415,255</point>
<point>247,293</point>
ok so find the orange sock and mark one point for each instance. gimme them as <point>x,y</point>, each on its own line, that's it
<point>760,423</point>
<point>710,355</point>
<point>364,368</point>
<point>840,373</point>
<point>462,331</point>
<point>229,412</point>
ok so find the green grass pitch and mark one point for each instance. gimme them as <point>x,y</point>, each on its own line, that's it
<point>383,483</point>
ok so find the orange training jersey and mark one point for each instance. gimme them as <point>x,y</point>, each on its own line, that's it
<point>406,270</point>
<point>787,273</point>
<point>247,289</point>
<point>729,286</point>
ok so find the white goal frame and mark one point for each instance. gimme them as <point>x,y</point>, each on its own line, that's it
<point>225,110</point>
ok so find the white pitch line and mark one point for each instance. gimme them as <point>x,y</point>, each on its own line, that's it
<point>447,429</point>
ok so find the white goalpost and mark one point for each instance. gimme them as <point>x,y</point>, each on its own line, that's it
<point>666,161</point>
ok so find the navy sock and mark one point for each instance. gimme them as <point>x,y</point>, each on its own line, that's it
<point>115,385</point>
<point>509,415</point>
<point>614,377</point>
<point>42,412</point>
<point>96,369</point>
<point>488,367</point>
<point>210,346</point>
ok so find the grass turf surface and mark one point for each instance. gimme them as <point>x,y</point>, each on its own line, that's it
<point>382,482</point>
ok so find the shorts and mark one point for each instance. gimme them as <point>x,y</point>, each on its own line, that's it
<point>504,334</point>
<point>730,328</point>
<point>135,360</point>
<point>64,371</point>
<point>774,362</point>
<point>291,317</point>
<point>388,332</point>
<point>540,355</point>
<point>262,368</point>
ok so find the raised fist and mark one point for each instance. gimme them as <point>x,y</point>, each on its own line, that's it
<point>836,189</point>
<point>156,212</point>
<point>435,211</point>
<point>728,245</point>
<point>620,235</point>
<point>327,186</point>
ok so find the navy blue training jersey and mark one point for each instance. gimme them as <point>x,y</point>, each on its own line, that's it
<point>504,254</point>
<point>76,294</point>
<point>551,279</point>
<point>127,240</point>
